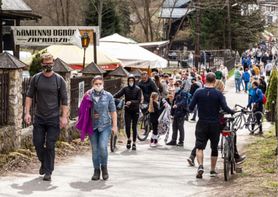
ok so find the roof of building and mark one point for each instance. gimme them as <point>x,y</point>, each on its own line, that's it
<point>119,72</point>
<point>60,66</point>
<point>157,44</point>
<point>17,9</point>
<point>175,3</point>
<point>174,13</point>
<point>8,61</point>
<point>136,72</point>
<point>15,5</point>
<point>92,68</point>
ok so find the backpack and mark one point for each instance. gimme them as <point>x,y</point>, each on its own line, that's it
<point>264,100</point>
<point>58,83</point>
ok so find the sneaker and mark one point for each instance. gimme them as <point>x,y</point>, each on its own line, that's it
<point>180,144</point>
<point>191,161</point>
<point>154,144</point>
<point>251,133</point>
<point>213,173</point>
<point>47,177</point>
<point>240,159</point>
<point>128,145</point>
<point>172,143</point>
<point>200,172</point>
<point>133,146</point>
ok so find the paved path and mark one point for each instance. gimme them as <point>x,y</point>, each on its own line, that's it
<point>148,172</point>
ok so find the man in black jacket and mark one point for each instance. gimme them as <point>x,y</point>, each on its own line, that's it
<point>132,95</point>
<point>147,86</point>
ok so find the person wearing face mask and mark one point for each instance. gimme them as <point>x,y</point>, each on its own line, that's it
<point>104,120</point>
<point>132,94</point>
<point>179,111</point>
<point>50,94</point>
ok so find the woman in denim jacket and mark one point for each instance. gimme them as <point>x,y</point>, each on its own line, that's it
<point>104,118</point>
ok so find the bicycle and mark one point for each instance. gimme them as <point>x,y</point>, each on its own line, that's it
<point>253,121</point>
<point>144,123</point>
<point>227,147</point>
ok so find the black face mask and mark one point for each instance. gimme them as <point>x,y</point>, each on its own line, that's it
<point>47,67</point>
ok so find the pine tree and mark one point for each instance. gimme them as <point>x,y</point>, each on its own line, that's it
<point>115,16</point>
<point>271,92</point>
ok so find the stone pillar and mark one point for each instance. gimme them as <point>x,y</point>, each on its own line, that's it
<point>10,135</point>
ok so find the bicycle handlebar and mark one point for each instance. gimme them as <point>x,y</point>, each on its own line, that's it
<point>239,106</point>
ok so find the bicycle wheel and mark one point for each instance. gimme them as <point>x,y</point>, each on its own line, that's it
<point>113,142</point>
<point>254,121</point>
<point>227,163</point>
<point>144,128</point>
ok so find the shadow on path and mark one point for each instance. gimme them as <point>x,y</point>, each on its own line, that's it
<point>31,186</point>
<point>90,185</point>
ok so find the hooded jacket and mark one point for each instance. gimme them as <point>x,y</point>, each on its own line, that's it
<point>132,94</point>
<point>147,88</point>
<point>84,122</point>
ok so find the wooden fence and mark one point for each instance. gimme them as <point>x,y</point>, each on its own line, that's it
<point>111,85</point>
<point>4,98</point>
<point>25,86</point>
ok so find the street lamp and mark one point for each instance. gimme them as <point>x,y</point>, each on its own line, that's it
<point>85,40</point>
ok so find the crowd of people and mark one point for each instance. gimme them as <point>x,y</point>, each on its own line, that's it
<point>186,92</point>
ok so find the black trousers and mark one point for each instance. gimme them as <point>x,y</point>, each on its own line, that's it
<point>45,134</point>
<point>131,117</point>
<point>178,125</point>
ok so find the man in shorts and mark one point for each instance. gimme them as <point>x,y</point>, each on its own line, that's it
<point>209,101</point>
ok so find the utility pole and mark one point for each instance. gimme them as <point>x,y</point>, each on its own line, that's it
<point>197,33</point>
<point>229,25</point>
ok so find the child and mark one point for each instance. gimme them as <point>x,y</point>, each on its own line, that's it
<point>154,115</point>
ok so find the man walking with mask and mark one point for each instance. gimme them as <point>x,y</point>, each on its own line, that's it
<point>132,95</point>
<point>48,90</point>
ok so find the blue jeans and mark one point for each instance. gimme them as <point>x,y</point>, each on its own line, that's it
<point>238,83</point>
<point>246,85</point>
<point>99,142</point>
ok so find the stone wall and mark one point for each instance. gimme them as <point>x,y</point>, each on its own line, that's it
<point>13,136</point>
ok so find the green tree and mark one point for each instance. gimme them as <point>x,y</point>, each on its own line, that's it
<point>124,17</point>
<point>271,92</point>
<point>35,66</point>
<point>113,15</point>
<point>245,26</point>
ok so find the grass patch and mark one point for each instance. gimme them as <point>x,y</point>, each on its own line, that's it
<point>261,161</point>
<point>231,73</point>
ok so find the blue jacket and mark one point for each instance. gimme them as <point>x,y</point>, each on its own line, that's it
<point>246,61</point>
<point>246,76</point>
<point>102,107</point>
<point>256,98</point>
